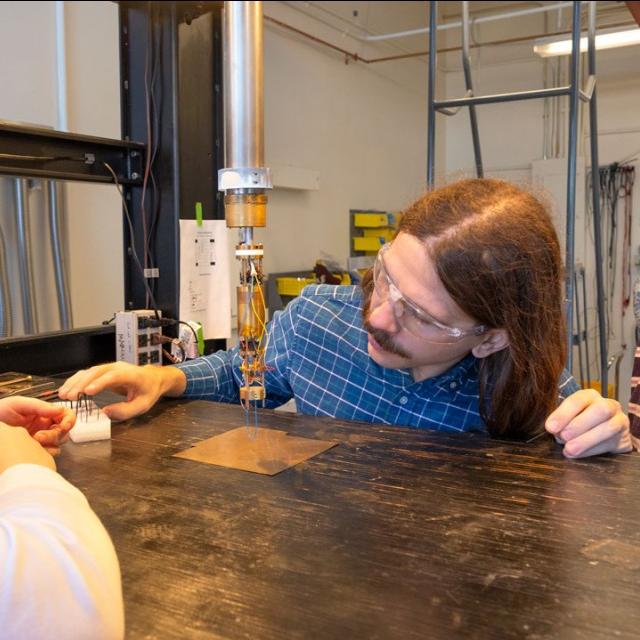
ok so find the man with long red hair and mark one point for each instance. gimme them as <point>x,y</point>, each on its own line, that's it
<point>459,327</point>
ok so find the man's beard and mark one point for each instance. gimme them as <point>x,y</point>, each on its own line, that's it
<point>383,338</point>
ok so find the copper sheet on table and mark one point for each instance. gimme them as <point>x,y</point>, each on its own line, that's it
<point>259,450</point>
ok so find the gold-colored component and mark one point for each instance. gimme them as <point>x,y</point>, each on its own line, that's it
<point>245,210</point>
<point>251,312</point>
<point>252,393</point>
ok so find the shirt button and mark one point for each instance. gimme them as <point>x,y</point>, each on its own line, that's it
<point>403,400</point>
<point>453,385</point>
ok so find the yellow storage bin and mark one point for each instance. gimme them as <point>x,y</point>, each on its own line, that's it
<point>292,287</point>
<point>368,243</point>
<point>372,220</point>
<point>385,234</point>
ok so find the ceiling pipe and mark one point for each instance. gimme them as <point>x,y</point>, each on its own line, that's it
<point>458,24</point>
<point>355,57</point>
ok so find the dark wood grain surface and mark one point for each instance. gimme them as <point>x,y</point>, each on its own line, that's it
<point>395,533</point>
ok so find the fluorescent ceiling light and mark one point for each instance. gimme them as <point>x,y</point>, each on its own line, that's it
<point>604,40</point>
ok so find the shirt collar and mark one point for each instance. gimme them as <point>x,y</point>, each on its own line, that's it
<point>459,374</point>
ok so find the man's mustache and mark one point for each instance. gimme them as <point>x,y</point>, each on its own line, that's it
<point>383,338</point>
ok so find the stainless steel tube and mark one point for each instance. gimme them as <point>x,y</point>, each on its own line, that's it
<point>27,288</point>
<point>431,87</point>
<point>55,215</point>
<point>6,325</point>
<point>595,194</point>
<point>243,85</point>
<point>572,153</point>
<point>466,65</point>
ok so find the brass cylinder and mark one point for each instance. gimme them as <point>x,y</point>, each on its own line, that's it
<point>245,210</point>
<point>252,393</point>
<point>251,312</point>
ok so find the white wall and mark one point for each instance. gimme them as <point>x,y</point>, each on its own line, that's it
<point>95,211</point>
<point>362,127</point>
<point>28,76</point>
<point>512,137</point>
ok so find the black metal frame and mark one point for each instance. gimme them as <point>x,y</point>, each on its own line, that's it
<point>187,39</point>
<point>45,153</point>
<point>451,107</point>
<point>59,351</point>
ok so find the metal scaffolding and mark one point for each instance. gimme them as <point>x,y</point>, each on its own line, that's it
<point>451,107</point>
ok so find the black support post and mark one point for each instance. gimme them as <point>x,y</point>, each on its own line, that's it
<point>595,193</point>
<point>571,180</point>
<point>172,100</point>
<point>466,65</point>
<point>431,114</point>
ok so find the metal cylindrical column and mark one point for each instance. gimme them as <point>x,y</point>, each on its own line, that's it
<point>27,288</point>
<point>585,310</point>
<point>597,229</point>
<point>466,64</point>
<point>244,181</point>
<point>431,113</point>
<point>571,180</point>
<point>55,214</point>
<point>579,329</point>
<point>243,85</point>
<point>6,326</point>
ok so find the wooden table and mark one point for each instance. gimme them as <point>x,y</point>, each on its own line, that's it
<point>395,533</point>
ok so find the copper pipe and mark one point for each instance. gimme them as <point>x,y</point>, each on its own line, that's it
<point>358,58</point>
<point>354,56</point>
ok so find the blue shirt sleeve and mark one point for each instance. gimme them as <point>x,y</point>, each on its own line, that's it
<point>217,377</point>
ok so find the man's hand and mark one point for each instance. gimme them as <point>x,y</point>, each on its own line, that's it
<point>17,447</point>
<point>46,423</point>
<point>142,386</point>
<point>588,424</point>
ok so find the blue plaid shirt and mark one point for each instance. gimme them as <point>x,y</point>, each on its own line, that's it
<point>317,354</point>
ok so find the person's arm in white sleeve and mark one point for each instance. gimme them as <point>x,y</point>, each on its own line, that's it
<point>60,574</point>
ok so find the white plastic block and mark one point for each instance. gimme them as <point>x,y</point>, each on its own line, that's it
<point>92,423</point>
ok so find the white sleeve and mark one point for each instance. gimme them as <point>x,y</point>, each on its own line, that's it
<point>60,574</point>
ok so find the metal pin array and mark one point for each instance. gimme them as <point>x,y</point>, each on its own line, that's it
<point>252,429</point>
<point>83,406</point>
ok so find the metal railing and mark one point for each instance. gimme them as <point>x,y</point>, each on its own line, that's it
<point>452,106</point>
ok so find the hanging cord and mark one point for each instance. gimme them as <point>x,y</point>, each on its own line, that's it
<point>155,91</point>
<point>132,238</point>
<point>610,182</point>
<point>195,335</point>
<point>628,179</point>
<point>616,183</point>
<point>609,204</point>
